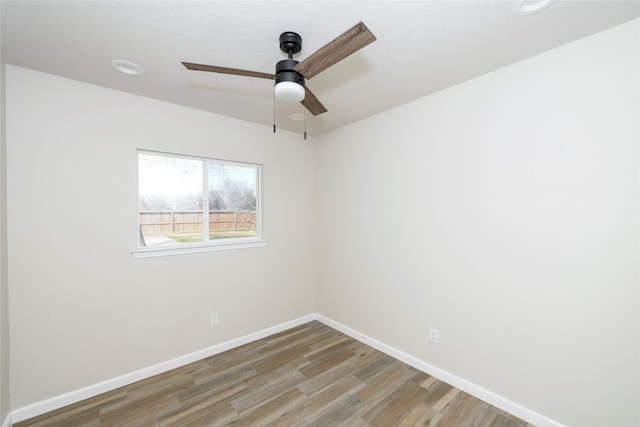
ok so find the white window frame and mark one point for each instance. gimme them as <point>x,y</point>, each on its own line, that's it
<point>207,245</point>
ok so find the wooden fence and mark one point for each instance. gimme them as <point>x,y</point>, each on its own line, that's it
<point>157,222</point>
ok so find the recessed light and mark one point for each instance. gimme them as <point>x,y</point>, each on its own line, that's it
<point>298,117</point>
<point>529,7</point>
<point>127,67</point>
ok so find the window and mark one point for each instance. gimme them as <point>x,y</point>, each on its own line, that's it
<point>191,204</point>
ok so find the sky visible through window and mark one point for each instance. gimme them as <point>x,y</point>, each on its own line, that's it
<point>172,179</point>
<point>169,182</point>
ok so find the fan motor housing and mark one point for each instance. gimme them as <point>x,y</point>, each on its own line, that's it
<point>286,73</point>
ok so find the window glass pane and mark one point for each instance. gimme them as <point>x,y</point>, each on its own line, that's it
<point>169,200</point>
<point>232,200</point>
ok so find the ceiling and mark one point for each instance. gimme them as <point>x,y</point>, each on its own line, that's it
<point>422,47</point>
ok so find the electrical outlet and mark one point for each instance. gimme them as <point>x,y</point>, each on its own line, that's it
<point>434,336</point>
<point>214,319</point>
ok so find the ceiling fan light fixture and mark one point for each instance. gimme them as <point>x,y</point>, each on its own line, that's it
<point>289,92</point>
<point>289,83</point>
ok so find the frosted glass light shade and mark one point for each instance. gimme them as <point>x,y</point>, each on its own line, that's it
<point>289,92</point>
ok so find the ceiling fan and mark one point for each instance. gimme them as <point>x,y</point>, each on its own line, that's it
<point>290,74</point>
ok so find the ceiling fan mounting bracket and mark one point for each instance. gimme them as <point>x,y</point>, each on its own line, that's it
<point>290,43</point>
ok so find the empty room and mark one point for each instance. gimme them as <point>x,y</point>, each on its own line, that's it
<point>320,213</point>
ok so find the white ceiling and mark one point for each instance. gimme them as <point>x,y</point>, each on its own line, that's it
<point>422,47</point>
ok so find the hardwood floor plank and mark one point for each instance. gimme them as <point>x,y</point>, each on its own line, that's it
<point>442,403</point>
<point>419,377</point>
<point>365,354</point>
<point>401,402</point>
<point>171,376</point>
<point>135,415</point>
<point>221,366</point>
<point>313,408</point>
<point>155,400</point>
<point>342,413</point>
<point>214,416</point>
<point>84,419</point>
<point>159,389</point>
<point>279,384</point>
<point>385,383</point>
<point>310,375</point>
<point>217,382</point>
<point>325,350</point>
<point>494,417</point>
<point>290,419</point>
<point>465,411</point>
<point>428,382</point>
<point>373,368</point>
<point>273,409</point>
<point>196,408</point>
<point>68,413</point>
<point>422,415</point>
<point>323,338</point>
<point>279,358</point>
<point>322,365</point>
<point>439,394</point>
<point>261,380</point>
<point>282,346</point>
<point>318,383</point>
<point>223,395</point>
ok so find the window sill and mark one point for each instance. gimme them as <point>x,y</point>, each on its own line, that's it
<point>150,252</point>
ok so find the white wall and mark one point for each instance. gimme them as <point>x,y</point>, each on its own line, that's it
<point>503,212</point>
<point>4,286</point>
<point>82,309</point>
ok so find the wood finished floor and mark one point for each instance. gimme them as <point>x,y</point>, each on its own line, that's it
<point>311,375</point>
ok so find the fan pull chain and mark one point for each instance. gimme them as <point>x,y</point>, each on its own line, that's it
<point>274,111</point>
<point>305,124</point>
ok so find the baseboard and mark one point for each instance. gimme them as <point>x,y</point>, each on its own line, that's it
<point>494,399</point>
<point>63,400</point>
<point>475,390</point>
<point>8,420</point>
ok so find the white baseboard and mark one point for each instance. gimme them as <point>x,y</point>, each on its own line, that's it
<point>8,420</point>
<point>494,399</point>
<point>475,390</point>
<point>63,400</point>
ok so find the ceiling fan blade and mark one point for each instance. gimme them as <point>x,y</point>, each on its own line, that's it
<point>312,104</point>
<point>225,70</point>
<point>342,46</point>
